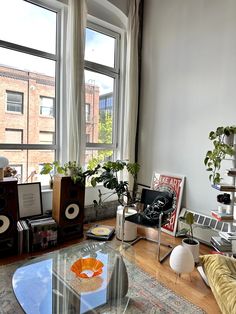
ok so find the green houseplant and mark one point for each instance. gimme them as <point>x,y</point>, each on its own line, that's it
<point>189,241</point>
<point>222,148</point>
<point>70,168</point>
<point>108,174</point>
<point>188,218</point>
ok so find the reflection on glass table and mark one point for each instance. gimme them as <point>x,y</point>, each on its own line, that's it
<point>48,285</point>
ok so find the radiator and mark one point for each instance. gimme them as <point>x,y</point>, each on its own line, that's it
<point>204,226</point>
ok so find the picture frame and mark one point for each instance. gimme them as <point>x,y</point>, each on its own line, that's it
<point>30,200</point>
<point>172,183</point>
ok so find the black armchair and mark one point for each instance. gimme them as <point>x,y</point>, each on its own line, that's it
<point>157,209</point>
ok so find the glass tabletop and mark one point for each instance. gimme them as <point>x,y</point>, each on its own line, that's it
<point>77,279</point>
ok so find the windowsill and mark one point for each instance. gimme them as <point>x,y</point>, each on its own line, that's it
<point>47,190</point>
<point>91,194</point>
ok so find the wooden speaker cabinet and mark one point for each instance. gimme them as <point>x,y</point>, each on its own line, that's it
<point>9,213</point>
<point>68,207</point>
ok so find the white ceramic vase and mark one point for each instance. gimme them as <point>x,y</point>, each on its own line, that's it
<point>193,247</point>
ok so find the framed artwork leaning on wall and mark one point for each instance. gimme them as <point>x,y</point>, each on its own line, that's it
<point>173,184</point>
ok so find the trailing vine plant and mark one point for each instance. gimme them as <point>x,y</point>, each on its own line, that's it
<point>220,151</point>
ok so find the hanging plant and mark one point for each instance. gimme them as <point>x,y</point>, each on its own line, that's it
<point>222,149</point>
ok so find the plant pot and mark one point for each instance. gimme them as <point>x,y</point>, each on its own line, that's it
<point>193,246</point>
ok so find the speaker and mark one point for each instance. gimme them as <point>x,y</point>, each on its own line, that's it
<point>9,213</point>
<point>68,207</point>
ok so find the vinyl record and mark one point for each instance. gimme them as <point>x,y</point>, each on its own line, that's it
<point>4,223</point>
<point>100,231</point>
<point>72,211</point>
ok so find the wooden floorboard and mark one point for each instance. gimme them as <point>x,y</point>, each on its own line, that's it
<point>144,254</point>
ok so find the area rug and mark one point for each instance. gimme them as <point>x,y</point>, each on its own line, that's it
<point>147,295</point>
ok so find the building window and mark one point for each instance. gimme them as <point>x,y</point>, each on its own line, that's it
<point>47,106</point>
<point>101,92</point>
<point>87,112</point>
<point>46,137</point>
<point>87,138</point>
<point>29,54</point>
<point>13,136</point>
<point>14,101</point>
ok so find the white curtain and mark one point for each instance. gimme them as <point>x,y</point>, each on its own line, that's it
<point>132,82</point>
<point>75,42</point>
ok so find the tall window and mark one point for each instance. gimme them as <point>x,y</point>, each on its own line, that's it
<point>14,102</point>
<point>101,79</point>
<point>29,37</point>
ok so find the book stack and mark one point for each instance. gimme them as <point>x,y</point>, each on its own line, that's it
<point>23,236</point>
<point>221,216</point>
<point>221,244</point>
<point>228,235</point>
<point>43,233</point>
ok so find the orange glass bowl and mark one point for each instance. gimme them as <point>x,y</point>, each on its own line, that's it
<point>87,264</point>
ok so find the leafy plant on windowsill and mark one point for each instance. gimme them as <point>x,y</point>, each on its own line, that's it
<point>70,168</point>
<point>108,175</point>
<point>188,218</point>
<point>221,150</point>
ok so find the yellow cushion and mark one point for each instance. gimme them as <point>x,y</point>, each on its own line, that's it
<point>221,274</point>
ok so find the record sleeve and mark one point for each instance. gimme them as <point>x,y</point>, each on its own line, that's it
<point>100,232</point>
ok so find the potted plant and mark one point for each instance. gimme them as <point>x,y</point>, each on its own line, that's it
<point>108,175</point>
<point>70,168</point>
<point>223,146</point>
<point>189,242</point>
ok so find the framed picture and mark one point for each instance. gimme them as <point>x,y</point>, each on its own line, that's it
<point>174,184</point>
<point>30,200</point>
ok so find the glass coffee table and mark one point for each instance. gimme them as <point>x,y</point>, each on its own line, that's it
<point>47,285</point>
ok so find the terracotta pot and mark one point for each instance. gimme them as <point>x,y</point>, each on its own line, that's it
<point>193,246</point>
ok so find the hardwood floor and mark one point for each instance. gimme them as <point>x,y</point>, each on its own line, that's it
<point>144,254</point>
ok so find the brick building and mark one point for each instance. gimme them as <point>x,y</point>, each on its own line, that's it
<point>27,116</point>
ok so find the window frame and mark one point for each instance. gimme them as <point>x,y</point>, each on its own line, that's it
<point>113,72</point>
<point>42,54</point>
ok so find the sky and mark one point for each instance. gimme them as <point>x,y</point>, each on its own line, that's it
<point>29,25</point>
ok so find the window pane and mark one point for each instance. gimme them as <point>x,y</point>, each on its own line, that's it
<point>13,136</point>
<point>31,163</point>
<point>99,48</point>
<point>25,62</point>
<point>99,94</point>
<point>28,25</point>
<point>30,86</point>
<point>93,156</point>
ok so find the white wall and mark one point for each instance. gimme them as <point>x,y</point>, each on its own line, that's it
<point>188,89</point>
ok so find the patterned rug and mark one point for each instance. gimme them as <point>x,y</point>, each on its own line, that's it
<point>147,294</point>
